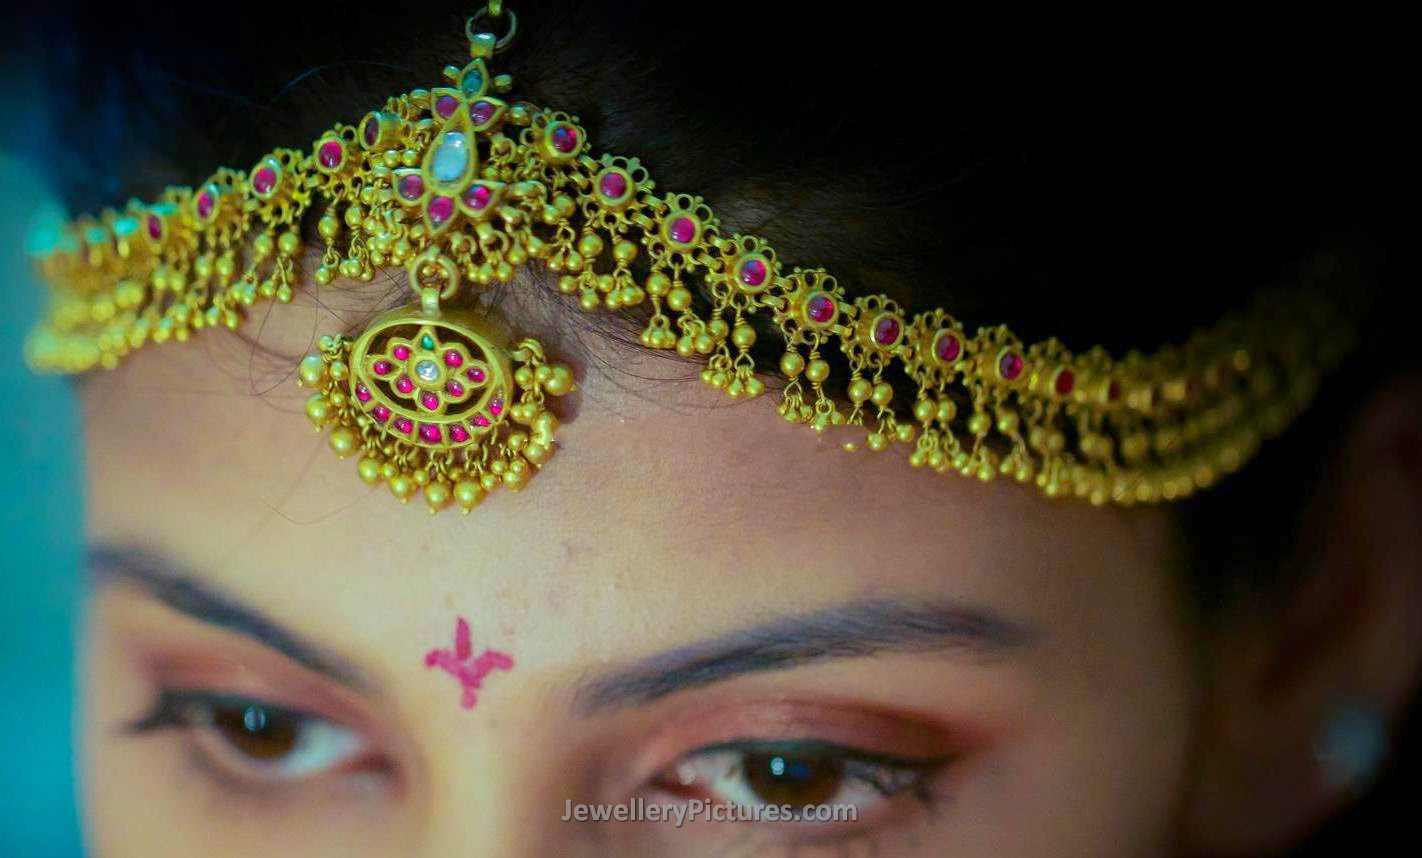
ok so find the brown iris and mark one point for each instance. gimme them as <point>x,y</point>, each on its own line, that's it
<point>256,731</point>
<point>797,781</point>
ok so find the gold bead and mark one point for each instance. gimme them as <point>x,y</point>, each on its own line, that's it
<point>883,394</point>
<point>369,470</point>
<point>859,390</point>
<point>536,453</point>
<point>567,284</point>
<point>546,423</point>
<point>754,387</point>
<point>402,486</point>
<point>704,342</point>
<point>877,442</point>
<point>312,370</point>
<point>289,243</point>
<point>468,493</point>
<point>658,285</point>
<point>947,410</point>
<point>979,423</point>
<point>588,300</point>
<point>905,432</point>
<point>590,245</point>
<point>624,252</point>
<point>262,245</point>
<point>343,442</point>
<point>817,370</point>
<point>324,276</point>
<point>437,496</point>
<point>1006,422</point>
<point>717,328</point>
<point>560,382</point>
<point>923,410</point>
<point>328,227</point>
<point>489,481</point>
<point>338,369</point>
<point>792,364</point>
<point>743,336</point>
<point>318,409</point>
<point>678,299</point>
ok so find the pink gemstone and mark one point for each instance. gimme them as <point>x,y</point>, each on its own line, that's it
<point>372,131</point>
<point>1010,366</point>
<point>205,202</point>
<point>445,105</point>
<point>404,384</point>
<point>404,424</point>
<point>820,309</point>
<point>264,180</point>
<point>565,139</point>
<point>362,393</point>
<point>331,153</point>
<point>480,420</point>
<point>441,209</point>
<point>401,352</point>
<point>613,185</point>
<point>683,230</point>
<point>1065,382</point>
<point>886,332</point>
<point>429,400</point>
<point>481,112</point>
<point>477,197</point>
<point>458,434</point>
<point>382,367</point>
<point>452,359</point>
<point>430,434</point>
<point>495,406</point>
<point>948,348</point>
<point>155,227</point>
<point>454,388</point>
<point>475,374</point>
<point>411,186</point>
<point>380,413</point>
<point>753,272</point>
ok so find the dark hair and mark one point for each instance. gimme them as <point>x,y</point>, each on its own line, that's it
<point>942,164</point>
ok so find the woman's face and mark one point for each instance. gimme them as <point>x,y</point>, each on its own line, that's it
<point>695,604</point>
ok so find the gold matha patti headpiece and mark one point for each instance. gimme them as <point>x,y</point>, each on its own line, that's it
<point>460,185</point>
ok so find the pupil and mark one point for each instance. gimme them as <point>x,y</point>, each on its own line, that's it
<point>256,731</point>
<point>796,781</point>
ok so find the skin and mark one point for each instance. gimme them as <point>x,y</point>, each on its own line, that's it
<point>668,518</point>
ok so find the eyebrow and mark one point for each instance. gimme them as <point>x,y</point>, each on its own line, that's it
<point>853,630</point>
<point>165,581</point>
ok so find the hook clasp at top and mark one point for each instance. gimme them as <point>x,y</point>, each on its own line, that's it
<point>487,40</point>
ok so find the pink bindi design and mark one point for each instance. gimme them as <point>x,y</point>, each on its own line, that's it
<point>461,664</point>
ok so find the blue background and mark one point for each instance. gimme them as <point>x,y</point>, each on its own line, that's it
<point>41,519</point>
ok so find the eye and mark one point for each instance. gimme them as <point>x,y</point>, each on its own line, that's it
<point>256,741</point>
<point>798,774</point>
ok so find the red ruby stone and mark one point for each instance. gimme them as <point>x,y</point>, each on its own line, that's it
<point>613,185</point>
<point>372,131</point>
<point>401,352</point>
<point>404,424</point>
<point>381,367</point>
<point>205,203</point>
<point>886,331</point>
<point>458,434</point>
<point>481,112</point>
<point>1010,366</point>
<point>820,309</point>
<point>404,384</point>
<point>496,405</point>
<point>753,272</point>
<point>475,374</point>
<point>441,209</point>
<point>331,153</point>
<point>477,197</point>
<point>1066,380</point>
<point>430,433</point>
<point>445,105</point>
<point>380,413</point>
<point>454,388</point>
<point>411,187</point>
<point>683,230</point>
<point>480,420</point>
<point>565,139</point>
<point>264,180</point>
<point>452,359</point>
<point>362,393</point>
<point>155,227</point>
<point>429,400</point>
<point>948,347</point>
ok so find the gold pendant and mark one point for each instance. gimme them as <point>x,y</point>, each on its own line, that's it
<point>436,400</point>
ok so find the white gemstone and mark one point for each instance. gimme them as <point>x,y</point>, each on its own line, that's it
<point>427,370</point>
<point>451,158</point>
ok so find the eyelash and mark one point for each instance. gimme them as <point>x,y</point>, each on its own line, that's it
<point>217,722</point>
